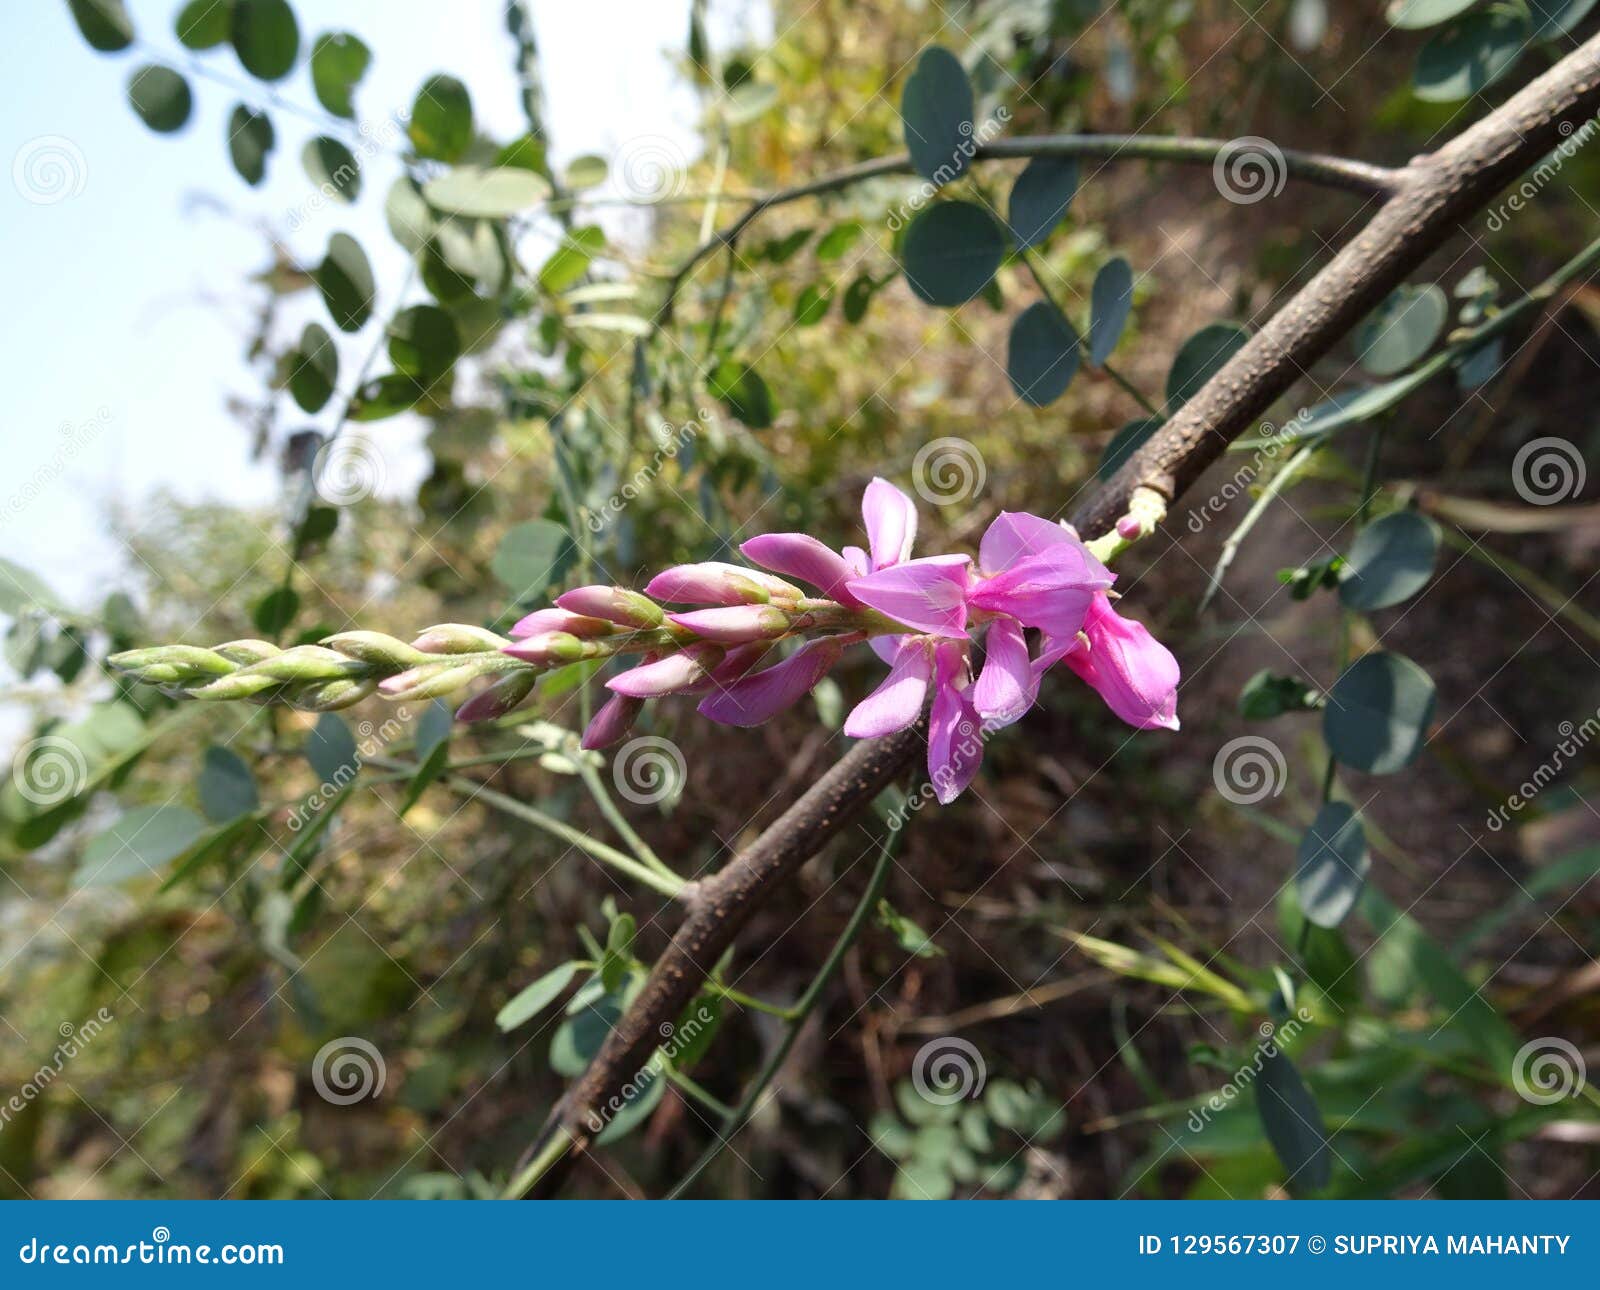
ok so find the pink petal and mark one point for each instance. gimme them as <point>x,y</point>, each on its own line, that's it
<point>1051,591</point>
<point>891,519</point>
<point>670,675</point>
<point>801,556</point>
<point>896,703</point>
<point>1132,671</point>
<point>927,595</point>
<point>1006,688</point>
<point>1015,535</point>
<point>541,621</point>
<point>736,624</point>
<point>764,694</point>
<point>955,734</point>
<point>1052,649</point>
<point>711,582</point>
<point>858,560</point>
<point>613,720</point>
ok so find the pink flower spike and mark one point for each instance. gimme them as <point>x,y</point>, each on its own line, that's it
<point>547,648</point>
<point>1006,687</point>
<point>955,735</point>
<point>541,621</point>
<point>735,625</point>
<point>1132,671</point>
<point>671,675</point>
<point>711,582</point>
<point>891,520</point>
<point>612,604</point>
<point>614,719</point>
<point>801,556</point>
<point>1050,591</point>
<point>1016,535</point>
<point>927,595</point>
<point>896,703</point>
<point>764,694</point>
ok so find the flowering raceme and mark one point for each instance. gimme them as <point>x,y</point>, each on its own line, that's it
<point>1036,596</point>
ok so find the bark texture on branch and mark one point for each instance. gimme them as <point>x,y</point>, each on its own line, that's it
<point>1429,201</point>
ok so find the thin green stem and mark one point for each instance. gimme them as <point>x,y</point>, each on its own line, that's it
<point>614,816</point>
<point>744,1000</point>
<point>536,1168</point>
<point>698,1092</point>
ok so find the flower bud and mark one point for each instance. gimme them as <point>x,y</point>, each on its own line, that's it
<point>306,663</point>
<point>714,583</point>
<point>246,651</point>
<point>735,625</point>
<point>541,621</point>
<point>183,660</point>
<point>457,638</point>
<point>330,695</point>
<point>547,648</point>
<point>614,604</point>
<point>430,681</point>
<point>376,648</point>
<point>613,720</point>
<point>669,675</point>
<point>241,685</point>
<point>499,698</point>
<point>1128,527</point>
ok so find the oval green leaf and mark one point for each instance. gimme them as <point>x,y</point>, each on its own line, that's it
<point>1413,15</point>
<point>345,279</point>
<point>533,999</point>
<point>531,556</point>
<point>1402,329</point>
<point>1390,561</point>
<point>1471,55</point>
<point>1110,303</point>
<point>491,192</point>
<point>161,98</point>
<point>250,139</point>
<point>1043,354</point>
<point>331,750</point>
<point>104,24</point>
<point>338,62</point>
<point>587,171</point>
<point>313,368</point>
<point>332,167</point>
<point>1040,197</point>
<point>1199,359</point>
<point>266,37</point>
<point>1552,18</point>
<point>1331,865</point>
<point>570,260</point>
<point>1378,713</point>
<point>204,24</point>
<point>951,252</point>
<point>936,113</point>
<point>423,342</point>
<point>1292,1121</point>
<point>140,843</point>
<point>441,119</point>
<point>227,786</point>
<point>743,391</point>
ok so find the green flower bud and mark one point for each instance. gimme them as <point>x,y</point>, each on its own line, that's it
<point>458,638</point>
<point>375,648</point>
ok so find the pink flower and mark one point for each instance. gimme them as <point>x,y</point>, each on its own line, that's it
<point>891,523</point>
<point>955,732</point>
<point>761,695</point>
<point>612,721</point>
<point>927,595</point>
<point>1037,573</point>
<point>1132,671</point>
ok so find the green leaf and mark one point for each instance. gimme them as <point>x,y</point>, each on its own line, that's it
<point>385,396</point>
<point>227,786</point>
<point>492,192</point>
<point>837,242</point>
<point>1293,1123</point>
<point>161,98</point>
<point>1040,197</point>
<point>812,305</point>
<point>570,260</point>
<point>644,1094</point>
<point>533,999</point>
<point>1402,329</point>
<point>936,112</point>
<point>332,167</point>
<point>409,217</point>
<point>1267,695</point>
<point>857,296</point>
<point>1390,561</point>
<point>1413,15</point>
<point>141,842</point>
<point>204,24</point>
<point>313,368</point>
<point>103,23</point>
<point>1199,359</point>
<point>331,750</point>
<point>1332,864</point>
<point>345,279</point>
<point>338,62</point>
<point>587,171</point>
<point>1110,302</point>
<point>250,139</point>
<point>1125,443</point>
<point>1043,355</point>
<point>276,610</point>
<point>741,388</point>
<point>531,556</point>
<point>441,119</point>
<point>1469,56</point>
<point>22,589</point>
<point>1552,18</point>
<point>432,750</point>
<point>1378,713</point>
<point>266,37</point>
<point>423,343</point>
<point>951,252</point>
<point>578,1039</point>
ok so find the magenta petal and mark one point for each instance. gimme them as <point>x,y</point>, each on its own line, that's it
<point>1051,591</point>
<point>1006,687</point>
<point>1052,649</point>
<point>801,556</point>
<point>1015,535</point>
<point>891,519</point>
<point>1133,672</point>
<point>927,595</point>
<point>955,734</point>
<point>612,721</point>
<point>764,694</point>
<point>670,675</point>
<point>897,702</point>
<point>541,621</point>
<point>859,562</point>
<point>736,624</point>
<point>712,582</point>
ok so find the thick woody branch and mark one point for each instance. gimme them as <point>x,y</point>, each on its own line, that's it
<point>1427,202</point>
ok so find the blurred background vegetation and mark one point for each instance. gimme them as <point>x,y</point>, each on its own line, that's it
<point>1107,930</point>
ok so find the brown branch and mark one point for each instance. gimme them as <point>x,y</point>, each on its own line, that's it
<point>1430,199</point>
